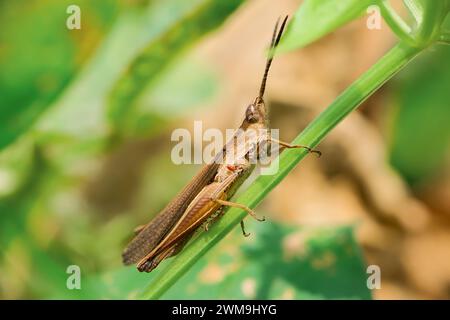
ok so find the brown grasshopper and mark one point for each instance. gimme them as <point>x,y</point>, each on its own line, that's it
<point>205,196</point>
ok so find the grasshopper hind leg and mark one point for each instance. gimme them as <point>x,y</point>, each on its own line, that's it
<point>245,208</point>
<point>240,206</point>
<point>152,263</point>
<point>213,219</point>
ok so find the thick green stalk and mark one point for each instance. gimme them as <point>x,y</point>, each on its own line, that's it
<point>349,100</point>
<point>395,22</point>
<point>434,13</point>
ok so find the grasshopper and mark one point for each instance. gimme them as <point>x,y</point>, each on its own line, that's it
<point>203,199</point>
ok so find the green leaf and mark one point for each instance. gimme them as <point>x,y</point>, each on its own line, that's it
<point>88,93</point>
<point>421,134</point>
<point>123,283</point>
<point>204,16</point>
<point>39,56</point>
<point>193,83</point>
<point>15,165</point>
<point>20,247</point>
<point>278,262</point>
<point>316,18</point>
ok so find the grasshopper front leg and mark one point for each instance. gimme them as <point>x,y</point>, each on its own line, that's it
<point>294,146</point>
<point>243,229</point>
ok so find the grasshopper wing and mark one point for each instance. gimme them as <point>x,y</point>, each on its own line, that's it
<point>150,235</point>
<point>146,240</point>
<point>196,213</point>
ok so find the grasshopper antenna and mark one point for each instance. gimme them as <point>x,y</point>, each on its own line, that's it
<point>273,44</point>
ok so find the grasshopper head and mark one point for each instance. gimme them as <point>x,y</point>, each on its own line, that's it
<point>256,113</point>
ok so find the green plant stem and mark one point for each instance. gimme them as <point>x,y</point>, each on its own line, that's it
<point>415,10</point>
<point>349,100</point>
<point>434,13</point>
<point>395,22</point>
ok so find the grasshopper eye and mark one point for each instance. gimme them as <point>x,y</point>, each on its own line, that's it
<point>251,114</point>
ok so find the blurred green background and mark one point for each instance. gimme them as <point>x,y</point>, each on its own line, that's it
<point>85,122</point>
